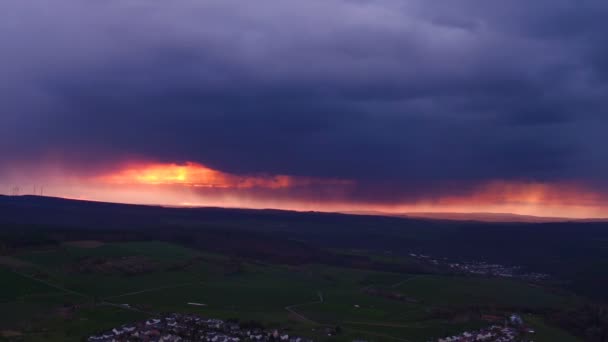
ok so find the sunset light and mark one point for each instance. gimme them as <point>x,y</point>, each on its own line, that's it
<point>197,175</point>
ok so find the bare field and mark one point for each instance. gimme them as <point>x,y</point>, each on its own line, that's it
<point>84,243</point>
<point>13,262</point>
<point>10,333</point>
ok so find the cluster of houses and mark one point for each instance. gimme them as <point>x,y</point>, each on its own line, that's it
<point>181,328</point>
<point>483,268</point>
<point>494,333</point>
<point>513,330</point>
<point>497,270</point>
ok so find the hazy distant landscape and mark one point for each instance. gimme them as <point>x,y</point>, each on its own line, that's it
<point>494,217</point>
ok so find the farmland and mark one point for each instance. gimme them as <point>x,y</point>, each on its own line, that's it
<point>47,295</point>
<point>73,268</point>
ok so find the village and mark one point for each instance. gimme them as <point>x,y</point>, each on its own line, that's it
<point>491,334</point>
<point>513,330</point>
<point>482,268</point>
<point>186,327</point>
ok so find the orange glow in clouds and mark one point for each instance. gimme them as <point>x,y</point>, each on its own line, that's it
<point>528,194</point>
<point>197,175</point>
<point>526,198</point>
<point>194,184</point>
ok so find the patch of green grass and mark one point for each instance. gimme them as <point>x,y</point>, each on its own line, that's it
<point>468,291</point>
<point>57,266</point>
<point>24,299</point>
<point>249,291</point>
<point>352,305</point>
<point>155,250</point>
<point>237,294</point>
<point>547,333</point>
<point>84,322</point>
<point>383,279</point>
<point>15,285</point>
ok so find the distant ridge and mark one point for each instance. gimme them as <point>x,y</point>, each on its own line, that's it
<point>480,217</point>
<point>55,211</point>
<point>489,217</point>
<point>10,205</point>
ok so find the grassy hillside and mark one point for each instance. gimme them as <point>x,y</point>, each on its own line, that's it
<point>72,290</point>
<point>572,252</point>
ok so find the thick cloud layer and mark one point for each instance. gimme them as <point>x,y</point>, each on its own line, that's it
<point>404,97</point>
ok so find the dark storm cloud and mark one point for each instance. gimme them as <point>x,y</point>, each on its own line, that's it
<point>406,93</point>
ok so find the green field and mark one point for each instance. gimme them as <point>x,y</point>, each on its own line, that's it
<point>47,298</point>
<point>467,291</point>
<point>23,298</point>
<point>86,321</point>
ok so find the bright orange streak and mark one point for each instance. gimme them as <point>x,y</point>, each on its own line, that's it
<point>188,174</point>
<point>197,175</point>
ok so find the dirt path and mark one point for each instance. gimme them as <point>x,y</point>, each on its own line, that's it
<point>291,309</point>
<point>153,290</point>
<point>379,324</point>
<point>57,287</point>
<point>129,308</point>
<point>405,281</point>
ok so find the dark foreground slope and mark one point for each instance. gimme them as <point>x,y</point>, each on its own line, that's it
<point>576,253</point>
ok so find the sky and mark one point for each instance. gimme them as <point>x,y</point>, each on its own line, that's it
<point>331,105</point>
